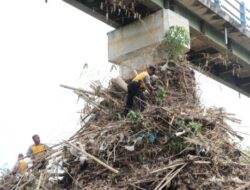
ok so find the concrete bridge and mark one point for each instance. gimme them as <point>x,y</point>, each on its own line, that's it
<point>219,30</point>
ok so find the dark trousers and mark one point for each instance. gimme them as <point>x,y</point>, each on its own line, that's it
<point>134,90</point>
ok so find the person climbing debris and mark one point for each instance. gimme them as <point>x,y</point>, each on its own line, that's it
<point>38,152</point>
<point>21,166</point>
<point>136,88</point>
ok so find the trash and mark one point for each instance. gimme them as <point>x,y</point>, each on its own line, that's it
<point>152,137</point>
<point>102,147</point>
<point>130,148</point>
<point>174,144</point>
<point>138,140</point>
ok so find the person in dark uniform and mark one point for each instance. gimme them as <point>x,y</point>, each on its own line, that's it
<point>136,88</point>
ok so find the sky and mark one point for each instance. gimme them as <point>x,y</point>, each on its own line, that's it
<point>45,45</point>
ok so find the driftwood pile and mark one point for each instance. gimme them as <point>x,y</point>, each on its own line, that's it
<point>174,144</point>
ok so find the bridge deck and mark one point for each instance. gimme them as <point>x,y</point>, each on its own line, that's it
<point>220,43</point>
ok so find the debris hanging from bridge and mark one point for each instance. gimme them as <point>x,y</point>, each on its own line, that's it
<point>174,144</point>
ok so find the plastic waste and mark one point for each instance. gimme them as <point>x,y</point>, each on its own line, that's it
<point>130,148</point>
<point>152,137</point>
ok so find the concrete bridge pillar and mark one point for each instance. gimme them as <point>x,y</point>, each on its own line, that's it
<point>133,46</point>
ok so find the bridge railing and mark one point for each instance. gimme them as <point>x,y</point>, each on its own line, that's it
<point>237,10</point>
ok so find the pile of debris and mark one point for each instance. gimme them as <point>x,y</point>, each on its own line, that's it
<point>174,144</point>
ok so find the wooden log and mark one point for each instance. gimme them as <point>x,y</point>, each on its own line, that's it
<point>120,83</point>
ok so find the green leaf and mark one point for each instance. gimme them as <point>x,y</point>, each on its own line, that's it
<point>176,39</point>
<point>196,127</point>
<point>134,115</point>
<point>161,94</point>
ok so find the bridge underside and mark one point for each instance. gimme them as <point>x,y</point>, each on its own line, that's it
<point>227,60</point>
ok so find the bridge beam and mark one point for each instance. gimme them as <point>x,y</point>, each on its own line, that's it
<point>213,35</point>
<point>215,39</point>
<point>91,11</point>
<point>153,4</point>
<point>92,7</point>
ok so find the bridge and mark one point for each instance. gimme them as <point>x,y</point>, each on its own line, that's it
<point>219,30</point>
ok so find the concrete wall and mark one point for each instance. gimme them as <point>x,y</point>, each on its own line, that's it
<point>133,46</point>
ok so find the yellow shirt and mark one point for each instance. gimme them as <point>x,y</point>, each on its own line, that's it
<point>22,166</point>
<point>38,151</point>
<point>140,78</point>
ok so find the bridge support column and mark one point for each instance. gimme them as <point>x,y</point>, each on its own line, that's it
<point>133,46</point>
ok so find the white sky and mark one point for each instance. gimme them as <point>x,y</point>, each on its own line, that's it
<point>45,45</point>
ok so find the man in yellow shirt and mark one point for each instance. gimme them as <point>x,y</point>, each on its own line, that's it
<point>136,88</point>
<point>38,152</point>
<point>21,166</point>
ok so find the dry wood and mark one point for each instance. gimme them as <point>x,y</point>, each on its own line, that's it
<point>40,181</point>
<point>136,187</point>
<point>172,176</point>
<point>78,89</point>
<point>202,162</point>
<point>166,168</point>
<point>163,138</point>
<point>25,184</point>
<point>120,83</point>
<point>93,157</point>
<point>164,179</point>
<point>17,185</point>
<point>243,187</point>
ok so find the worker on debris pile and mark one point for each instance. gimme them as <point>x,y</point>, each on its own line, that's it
<point>38,153</point>
<point>136,88</point>
<point>20,166</point>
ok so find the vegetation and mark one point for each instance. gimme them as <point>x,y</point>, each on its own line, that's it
<point>161,93</point>
<point>195,127</point>
<point>134,115</point>
<point>176,39</point>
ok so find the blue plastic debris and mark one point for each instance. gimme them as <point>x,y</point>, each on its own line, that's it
<point>152,137</point>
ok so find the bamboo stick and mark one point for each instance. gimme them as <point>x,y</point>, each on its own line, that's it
<point>164,179</point>
<point>93,157</point>
<point>168,167</point>
<point>78,89</point>
<point>39,182</point>
<point>244,186</point>
<point>172,176</point>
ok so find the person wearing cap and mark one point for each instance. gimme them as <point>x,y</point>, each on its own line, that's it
<point>21,166</point>
<point>38,152</point>
<point>136,88</point>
